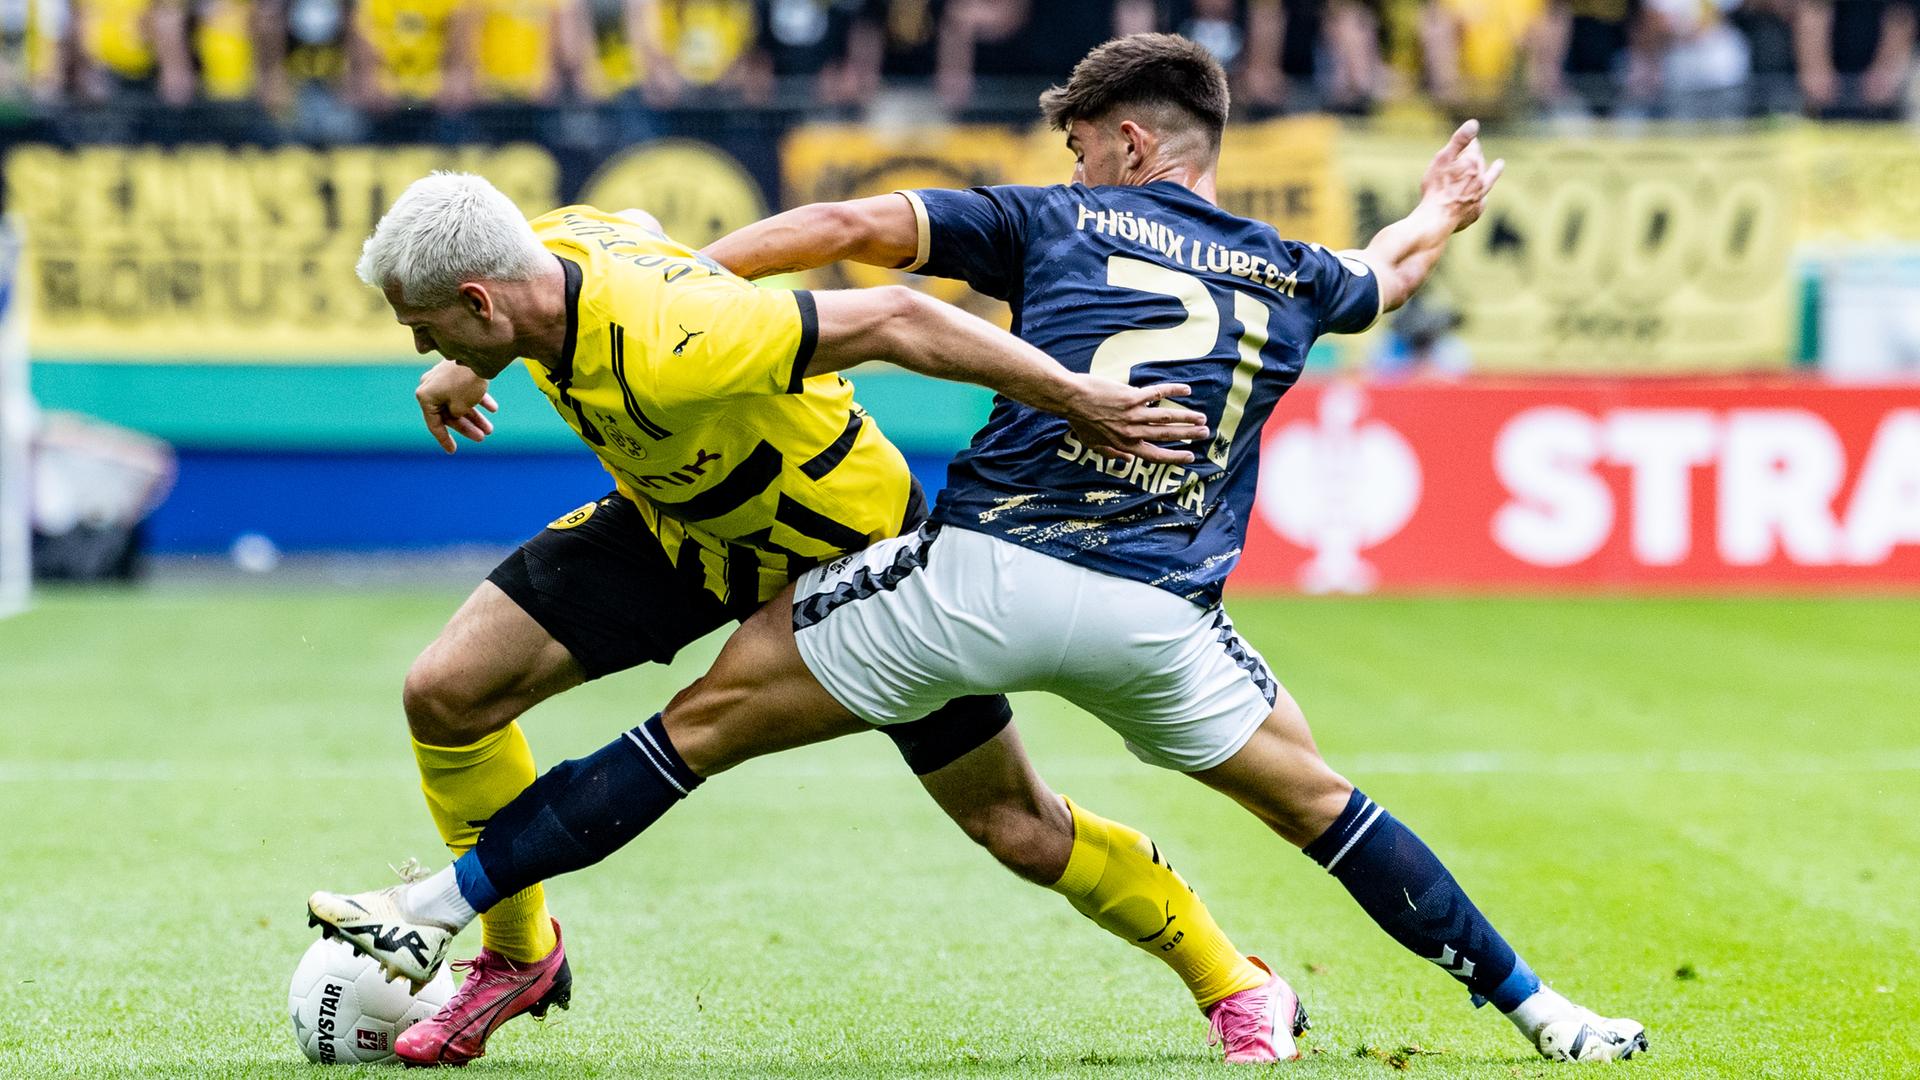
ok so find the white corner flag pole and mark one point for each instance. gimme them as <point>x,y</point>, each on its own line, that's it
<point>16,433</point>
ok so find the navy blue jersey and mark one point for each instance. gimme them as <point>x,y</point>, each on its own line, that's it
<point>1145,285</point>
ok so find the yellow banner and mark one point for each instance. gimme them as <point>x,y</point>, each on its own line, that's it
<point>1861,184</point>
<point>1653,254</point>
<point>212,254</point>
<point>1657,255</point>
<point>206,253</point>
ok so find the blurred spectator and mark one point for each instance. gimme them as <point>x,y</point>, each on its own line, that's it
<point>1244,35</point>
<point>222,35</point>
<point>1585,62</point>
<point>330,69</point>
<point>531,51</point>
<point>836,46</point>
<point>676,44</point>
<point>1701,61</point>
<point>910,30</point>
<point>1274,49</point>
<point>1029,42</point>
<point>127,50</point>
<point>1356,30</point>
<point>30,33</point>
<point>411,52</point>
<point>1854,56</point>
<point>625,42</point>
<point>1767,26</point>
<point>1475,50</point>
<point>301,48</point>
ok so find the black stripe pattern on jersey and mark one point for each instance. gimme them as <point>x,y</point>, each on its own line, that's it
<point>866,581</point>
<point>809,338</point>
<point>824,462</point>
<point>563,371</point>
<point>734,490</point>
<point>1237,649</point>
<point>617,352</point>
<point>743,580</point>
<point>815,525</point>
<point>571,273</point>
<point>689,566</point>
<point>762,540</point>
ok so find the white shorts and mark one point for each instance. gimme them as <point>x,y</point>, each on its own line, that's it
<point>899,629</point>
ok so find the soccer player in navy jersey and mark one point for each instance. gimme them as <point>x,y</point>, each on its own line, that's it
<point>1049,565</point>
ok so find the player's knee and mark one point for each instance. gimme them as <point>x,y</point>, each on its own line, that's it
<point>1308,803</point>
<point>1283,779</point>
<point>443,711</point>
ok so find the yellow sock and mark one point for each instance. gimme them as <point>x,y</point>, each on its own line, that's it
<point>466,785</point>
<point>1116,877</point>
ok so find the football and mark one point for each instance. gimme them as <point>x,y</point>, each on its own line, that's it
<point>346,1011</point>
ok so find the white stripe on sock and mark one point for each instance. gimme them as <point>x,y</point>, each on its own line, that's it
<point>659,765</point>
<point>1355,838</point>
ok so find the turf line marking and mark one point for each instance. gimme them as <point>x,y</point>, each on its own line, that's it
<point>1453,763</point>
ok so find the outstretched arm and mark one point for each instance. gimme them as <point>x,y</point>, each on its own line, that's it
<point>919,333</point>
<point>1452,195</point>
<point>879,231</point>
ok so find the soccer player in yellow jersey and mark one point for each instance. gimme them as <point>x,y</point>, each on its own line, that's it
<point>739,460</point>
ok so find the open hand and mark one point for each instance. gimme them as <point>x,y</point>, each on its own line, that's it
<point>450,399</point>
<point>1460,179</point>
<point>1126,421</point>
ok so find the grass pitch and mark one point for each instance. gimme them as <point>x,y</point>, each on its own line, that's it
<point>1698,813</point>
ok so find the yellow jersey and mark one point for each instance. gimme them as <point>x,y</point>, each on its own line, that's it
<point>116,35</point>
<point>1492,32</point>
<point>223,41</point>
<point>702,39</point>
<point>515,51</point>
<point>689,384</point>
<point>409,40</point>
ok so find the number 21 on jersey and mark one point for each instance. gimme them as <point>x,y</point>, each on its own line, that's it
<point>1191,339</point>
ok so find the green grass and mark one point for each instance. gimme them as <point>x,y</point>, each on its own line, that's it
<point>1698,813</point>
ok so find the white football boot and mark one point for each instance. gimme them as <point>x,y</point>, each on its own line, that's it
<point>1586,1036</point>
<point>379,925</point>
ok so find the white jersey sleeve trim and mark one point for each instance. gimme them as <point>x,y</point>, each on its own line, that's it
<point>924,248</point>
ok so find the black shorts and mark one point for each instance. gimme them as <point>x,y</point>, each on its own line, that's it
<point>602,586</point>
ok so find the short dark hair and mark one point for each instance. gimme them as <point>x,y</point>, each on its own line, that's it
<point>1155,70</point>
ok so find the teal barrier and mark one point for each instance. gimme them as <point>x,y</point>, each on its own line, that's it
<point>370,406</point>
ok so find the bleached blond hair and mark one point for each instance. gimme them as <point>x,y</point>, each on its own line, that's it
<point>445,230</point>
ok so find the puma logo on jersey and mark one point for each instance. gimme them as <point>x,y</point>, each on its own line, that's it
<point>691,334</point>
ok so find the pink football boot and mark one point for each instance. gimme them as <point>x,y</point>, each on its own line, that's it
<point>496,990</point>
<point>1259,1024</point>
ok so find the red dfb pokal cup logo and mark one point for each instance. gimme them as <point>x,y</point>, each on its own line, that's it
<point>1337,485</point>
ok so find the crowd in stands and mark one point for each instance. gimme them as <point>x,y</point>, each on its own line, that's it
<point>373,58</point>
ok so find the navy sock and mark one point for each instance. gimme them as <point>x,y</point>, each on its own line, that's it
<point>576,814</point>
<point>1401,883</point>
